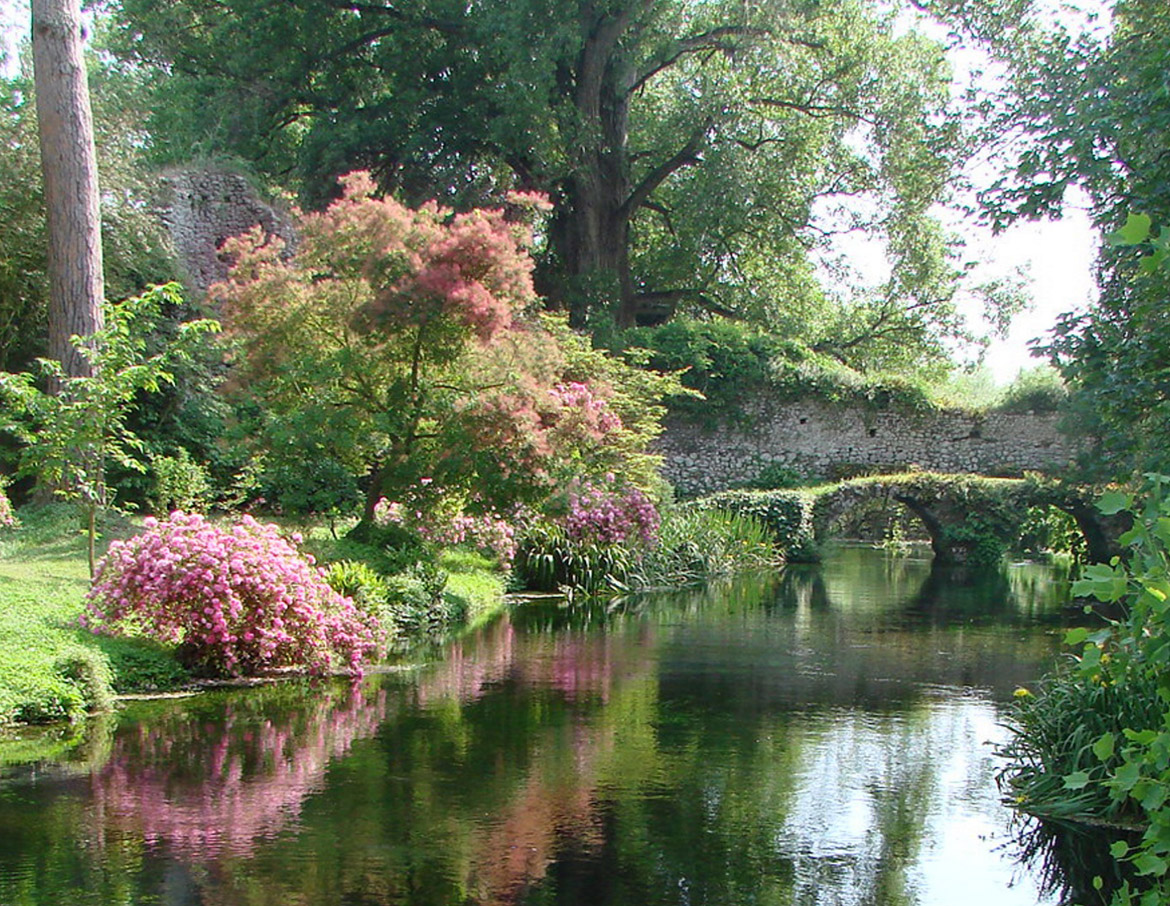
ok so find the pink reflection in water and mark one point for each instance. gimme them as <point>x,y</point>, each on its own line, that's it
<point>579,665</point>
<point>209,789</point>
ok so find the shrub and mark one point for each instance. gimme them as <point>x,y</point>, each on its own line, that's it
<point>609,515</point>
<point>238,599</point>
<point>369,590</point>
<point>444,521</point>
<point>416,603</point>
<point>180,483</point>
<point>1035,390</point>
<point>299,478</point>
<point>731,363</point>
<point>411,602</point>
<point>359,582</point>
<point>7,513</point>
<point>774,477</point>
<point>79,682</point>
<point>726,361</point>
<point>787,514</point>
<point>89,671</point>
<point>143,665</point>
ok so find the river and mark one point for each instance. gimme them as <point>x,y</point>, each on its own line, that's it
<point>825,735</point>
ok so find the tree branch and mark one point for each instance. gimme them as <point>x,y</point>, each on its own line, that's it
<point>664,212</point>
<point>715,39</point>
<point>816,110</point>
<point>671,297</point>
<point>446,26</point>
<point>687,155</point>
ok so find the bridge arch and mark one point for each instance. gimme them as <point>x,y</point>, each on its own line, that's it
<point>960,512</point>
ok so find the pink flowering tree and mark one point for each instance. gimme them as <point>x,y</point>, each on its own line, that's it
<point>404,344</point>
<point>237,599</point>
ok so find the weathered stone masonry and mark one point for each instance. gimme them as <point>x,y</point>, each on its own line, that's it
<point>818,440</point>
<point>201,207</point>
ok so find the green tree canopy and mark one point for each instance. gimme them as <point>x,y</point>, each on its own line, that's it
<point>1093,110</point>
<point>692,150</point>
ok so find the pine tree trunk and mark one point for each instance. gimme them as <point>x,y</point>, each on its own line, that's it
<point>69,164</point>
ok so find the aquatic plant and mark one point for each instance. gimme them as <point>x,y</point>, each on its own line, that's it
<point>696,545</point>
<point>1096,744</point>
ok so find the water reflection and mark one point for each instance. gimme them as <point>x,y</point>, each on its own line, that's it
<point>817,737</point>
<point>207,779</point>
<point>1072,861</point>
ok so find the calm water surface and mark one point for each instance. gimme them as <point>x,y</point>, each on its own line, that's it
<point>821,737</point>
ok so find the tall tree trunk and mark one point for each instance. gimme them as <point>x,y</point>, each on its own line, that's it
<point>69,162</point>
<point>594,236</point>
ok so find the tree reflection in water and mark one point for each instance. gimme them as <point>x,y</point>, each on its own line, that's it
<point>816,738</point>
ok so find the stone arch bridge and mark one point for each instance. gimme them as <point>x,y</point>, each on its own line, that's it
<point>963,515</point>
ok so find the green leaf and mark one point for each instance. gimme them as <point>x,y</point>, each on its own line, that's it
<point>1103,748</point>
<point>1154,797</point>
<point>1126,776</point>
<point>1105,583</point>
<point>1113,502</point>
<point>1076,635</point>
<point>1135,232</point>
<point>1076,781</point>
<point>1119,849</point>
<point>1149,864</point>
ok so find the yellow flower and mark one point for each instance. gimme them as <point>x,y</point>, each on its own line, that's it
<point>1021,692</point>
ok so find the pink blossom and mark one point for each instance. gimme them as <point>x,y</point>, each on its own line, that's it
<point>244,598</point>
<point>609,516</point>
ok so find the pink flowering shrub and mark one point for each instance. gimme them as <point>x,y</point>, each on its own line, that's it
<point>489,532</point>
<point>611,515</point>
<point>7,514</point>
<point>238,598</point>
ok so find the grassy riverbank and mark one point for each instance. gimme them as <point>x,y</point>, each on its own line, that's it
<point>51,669</point>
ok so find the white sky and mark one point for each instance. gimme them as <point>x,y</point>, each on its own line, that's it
<point>1057,255</point>
<point>13,23</point>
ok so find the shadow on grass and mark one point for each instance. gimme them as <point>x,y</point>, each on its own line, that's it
<point>56,531</point>
<point>138,664</point>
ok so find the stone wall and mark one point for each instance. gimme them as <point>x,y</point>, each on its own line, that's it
<point>818,440</point>
<point>203,206</point>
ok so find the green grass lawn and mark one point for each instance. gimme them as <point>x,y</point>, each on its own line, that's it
<point>51,668</point>
<point>472,578</point>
